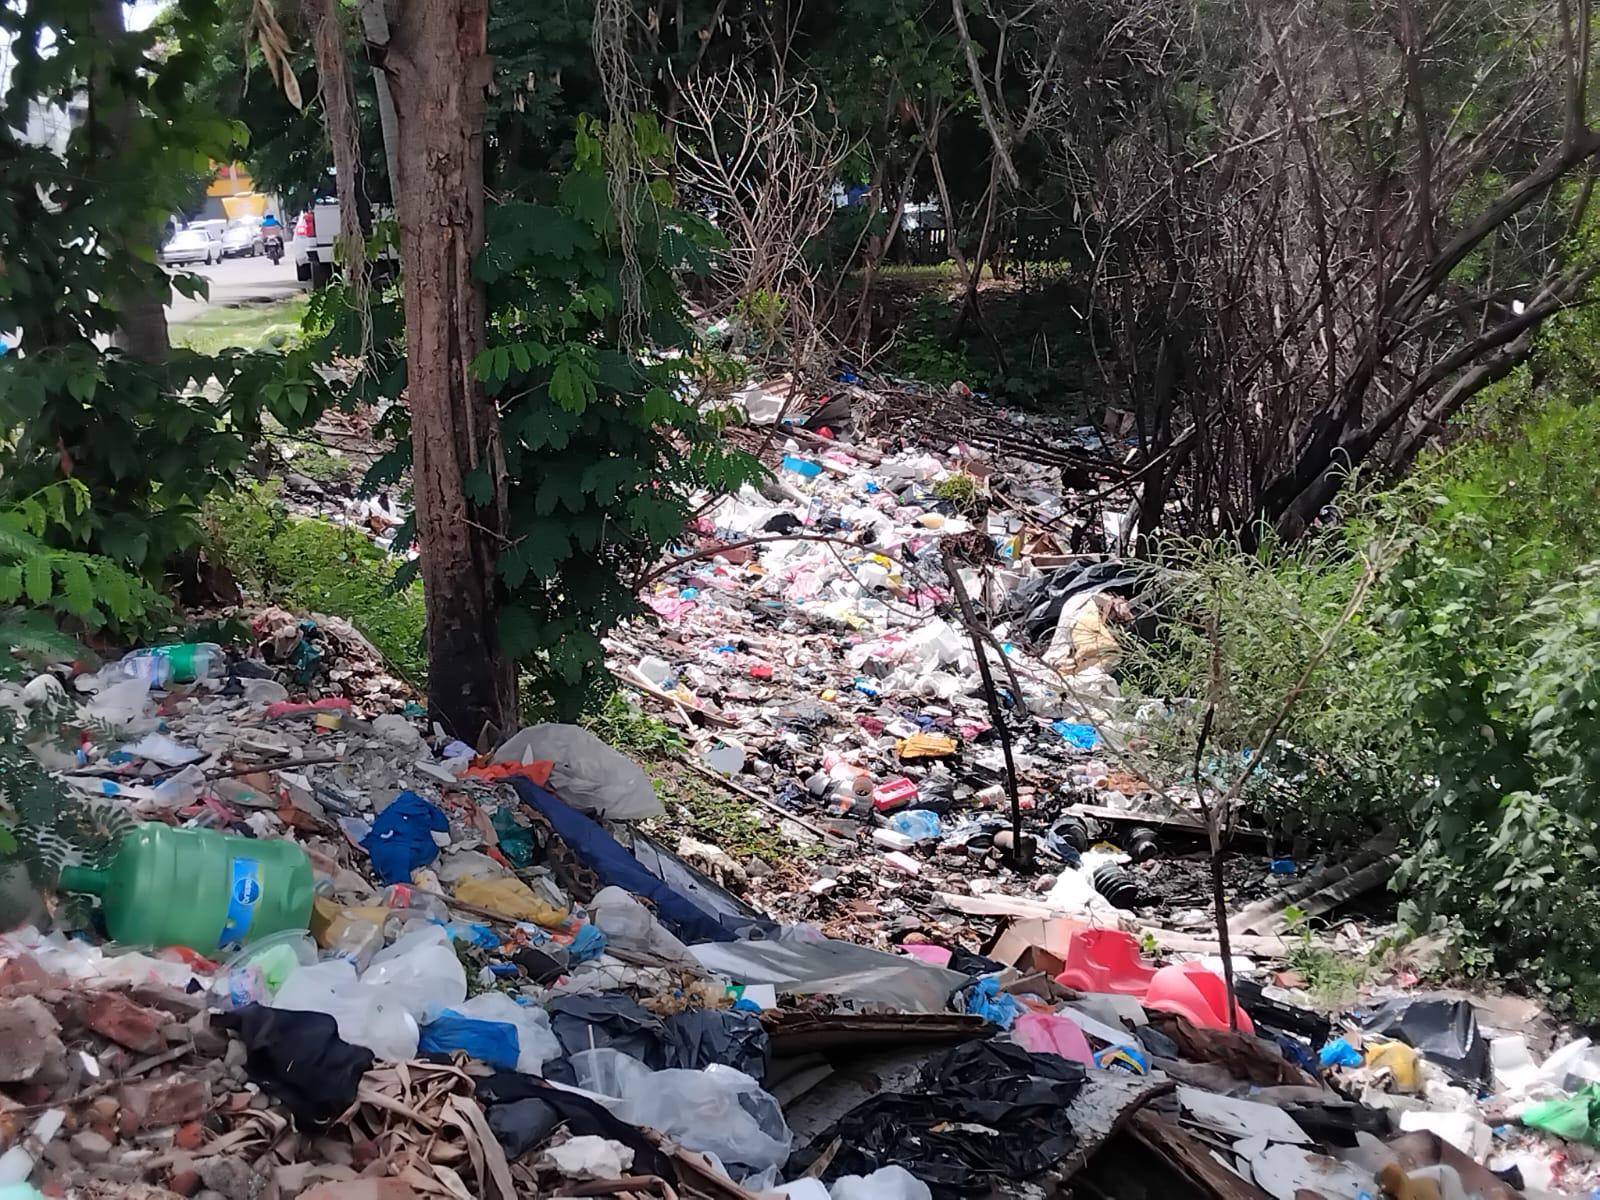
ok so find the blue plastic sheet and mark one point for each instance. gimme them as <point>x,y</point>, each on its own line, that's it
<point>802,466</point>
<point>495,1042</point>
<point>608,859</point>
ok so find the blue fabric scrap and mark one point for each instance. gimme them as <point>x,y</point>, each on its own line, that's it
<point>402,837</point>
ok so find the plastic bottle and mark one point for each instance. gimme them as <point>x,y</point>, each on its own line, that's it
<point>918,824</point>
<point>198,888</point>
<point>184,662</point>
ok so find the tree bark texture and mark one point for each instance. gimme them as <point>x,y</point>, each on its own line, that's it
<point>142,322</point>
<point>438,67</point>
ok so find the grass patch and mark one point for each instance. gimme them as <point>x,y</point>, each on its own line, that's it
<point>701,809</point>
<point>623,725</point>
<point>317,566</point>
<point>1333,979</point>
<point>248,327</point>
<point>694,805</point>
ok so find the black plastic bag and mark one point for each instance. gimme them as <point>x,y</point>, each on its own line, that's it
<point>711,1035</point>
<point>1443,1031</point>
<point>986,1112</point>
<point>588,1022</point>
<point>523,1113</point>
<point>300,1058</point>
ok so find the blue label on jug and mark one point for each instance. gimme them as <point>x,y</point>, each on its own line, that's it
<point>243,891</point>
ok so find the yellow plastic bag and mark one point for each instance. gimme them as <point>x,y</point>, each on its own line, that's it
<point>513,898</point>
<point>1400,1060</point>
<point>926,745</point>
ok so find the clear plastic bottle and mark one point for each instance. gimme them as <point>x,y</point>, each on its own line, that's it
<point>356,941</point>
<point>918,824</point>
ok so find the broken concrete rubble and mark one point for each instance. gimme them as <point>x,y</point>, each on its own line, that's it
<point>650,1014</point>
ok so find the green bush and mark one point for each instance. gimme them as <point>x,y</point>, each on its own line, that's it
<point>1251,623</point>
<point>1496,617</point>
<point>321,567</point>
<point>1461,709</point>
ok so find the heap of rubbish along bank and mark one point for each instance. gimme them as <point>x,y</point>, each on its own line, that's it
<point>297,942</point>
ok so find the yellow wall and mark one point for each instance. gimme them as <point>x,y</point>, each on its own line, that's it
<point>231,179</point>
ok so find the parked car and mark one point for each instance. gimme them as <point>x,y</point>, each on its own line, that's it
<point>242,236</point>
<point>196,244</point>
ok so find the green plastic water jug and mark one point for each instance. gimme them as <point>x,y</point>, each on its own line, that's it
<point>198,888</point>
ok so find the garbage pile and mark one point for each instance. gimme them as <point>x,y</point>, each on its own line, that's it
<point>296,942</point>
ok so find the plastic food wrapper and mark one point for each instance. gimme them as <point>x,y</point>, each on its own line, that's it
<point>256,973</point>
<point>718,1111</point>
<point>587,773</point>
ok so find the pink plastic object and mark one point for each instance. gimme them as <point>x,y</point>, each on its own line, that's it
<point>896,793</point>
<point>290,708</point>
<point>1105,960</point>
<point>1191,991</point>
<point>1050,1033</point>
<point>938,956</point>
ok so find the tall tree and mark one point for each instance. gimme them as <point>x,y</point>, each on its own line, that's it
<point>439,67</point>
<point>113,108</point>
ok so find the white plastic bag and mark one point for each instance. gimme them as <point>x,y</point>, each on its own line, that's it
<point>717,1111</point>
<point>364,1016</point>
<point>536,1042</point>
<point>421,973</point>
<point>631,926</point>
<point>886,1183</point>
<point>588,774</point>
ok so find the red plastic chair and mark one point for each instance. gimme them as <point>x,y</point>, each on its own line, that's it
<point>1105,960</point>
<point>1191,991</point>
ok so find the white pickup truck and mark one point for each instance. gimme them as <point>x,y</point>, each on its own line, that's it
<point>314,236</point>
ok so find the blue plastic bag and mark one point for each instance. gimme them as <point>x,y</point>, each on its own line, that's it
<point>987,1001</point>
<point>1339,1054</point>
<point>495,1042</point>
<point>1078,735</point>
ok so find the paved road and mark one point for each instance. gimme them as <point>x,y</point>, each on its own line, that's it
<point>238,281</point>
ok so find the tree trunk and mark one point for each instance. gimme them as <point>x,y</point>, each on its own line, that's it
<point>142,326</point>
<point>375,26</point>
<point>439,66</point>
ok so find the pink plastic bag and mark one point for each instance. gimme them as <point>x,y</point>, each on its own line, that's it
<point>1051,1033</point>
<point>938,956</point>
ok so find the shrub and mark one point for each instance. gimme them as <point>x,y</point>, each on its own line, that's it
<point>317,566</point>
<point>1496,615</point>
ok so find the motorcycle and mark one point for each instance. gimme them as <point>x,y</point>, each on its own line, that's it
<point>274,247</point>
